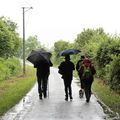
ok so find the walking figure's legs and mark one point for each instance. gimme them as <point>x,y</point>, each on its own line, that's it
<point>87,88</point>
<point>48,88</point>
<point>45,83</point>
<point>66,90</point>
<point>39,87</point>
<point>81,91</point>
<point>70,90</point>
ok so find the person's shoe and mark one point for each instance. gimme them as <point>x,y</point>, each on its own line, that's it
<point>40,96</point>
<point>45,94</point>
<point>87,100</point>
<point>71,97</point>
<point>66,98</point>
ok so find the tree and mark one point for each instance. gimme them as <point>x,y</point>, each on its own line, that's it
<point>60,45</point>
<point>89,40</point>
<point>12,26</point>
<point>106,50</point>
<point>31,44</point>
<point>84,37</point>
<point>9,38</point>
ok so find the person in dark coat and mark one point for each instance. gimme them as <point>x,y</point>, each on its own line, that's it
<point>67,68</point>
<point>42,73</point>
<point>87,72</point>
<point>78,65</point>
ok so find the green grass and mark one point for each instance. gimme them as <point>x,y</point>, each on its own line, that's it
<point>106,95</point>
<point>13,90</point>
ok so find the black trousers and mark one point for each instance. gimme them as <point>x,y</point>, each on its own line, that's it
<point>87,83</point>
<point>68,88</point>
<point>42,84</point>
<point>81,82</point>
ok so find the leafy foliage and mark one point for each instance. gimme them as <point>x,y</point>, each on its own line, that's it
<point>9,38</point>
<point>60,45</point>
<point>9,67</point>
<point>31,44</point>
<point>103,54</point>
<point>115,74</point>
<point>84,37</point>
<point>106,51</point>
<point>101,48</point>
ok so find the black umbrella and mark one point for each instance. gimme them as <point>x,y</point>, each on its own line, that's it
<point>68,52</point>
<point>37,56</point>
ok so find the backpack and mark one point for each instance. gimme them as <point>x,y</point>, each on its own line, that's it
<point>87,73</point>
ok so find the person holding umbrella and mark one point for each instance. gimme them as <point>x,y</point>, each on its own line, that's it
<point>67,68</point>
<point>42,73</point>
<point>41,61</point>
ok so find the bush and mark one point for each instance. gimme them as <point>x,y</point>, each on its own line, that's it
<point>103,55</point>
<point>14,65</point>
<point>115,74</point>
<point>4,72</point>
<point>9,67</point>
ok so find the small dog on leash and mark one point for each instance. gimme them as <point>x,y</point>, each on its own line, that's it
<point>81,93</point>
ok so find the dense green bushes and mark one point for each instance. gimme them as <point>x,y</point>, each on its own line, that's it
<point>9,67</point>
<point>103,50</point>
<point>108,62</point>
<point>115,74</point>
<point>105,53</point>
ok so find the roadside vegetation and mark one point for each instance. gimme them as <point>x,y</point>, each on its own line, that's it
<point>102,48</point>
<point>15,88</point>
<point>104,51</point>
<point>107,96</point>
<point>13,85</point>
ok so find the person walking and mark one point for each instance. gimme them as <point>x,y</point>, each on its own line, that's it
<point>66,67</point>
<point>78,65</point>
<point>42,73</point>
<point>87,72</point>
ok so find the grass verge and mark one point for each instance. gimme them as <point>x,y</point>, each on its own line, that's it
<point>13,90</point>
<point>106,95</point>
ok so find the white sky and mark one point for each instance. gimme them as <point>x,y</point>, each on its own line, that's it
<point>52,20</point>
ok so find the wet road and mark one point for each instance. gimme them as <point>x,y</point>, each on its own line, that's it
<point>55,107</point>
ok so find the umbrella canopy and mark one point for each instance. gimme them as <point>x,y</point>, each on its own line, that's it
<point>39,56</point>
<point>68,52</point>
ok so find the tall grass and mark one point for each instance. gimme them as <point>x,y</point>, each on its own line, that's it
<point>9,67</point>
<point>106,95</point>
<point>12,90</point>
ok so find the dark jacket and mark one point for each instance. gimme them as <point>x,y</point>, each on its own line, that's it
<point>78,64</point>
<point>43,68</point>
<point>67,68</point>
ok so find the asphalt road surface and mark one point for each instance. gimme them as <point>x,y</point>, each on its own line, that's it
<point>54,107</point>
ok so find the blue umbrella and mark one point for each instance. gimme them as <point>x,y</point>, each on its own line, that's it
<point>68,52</point>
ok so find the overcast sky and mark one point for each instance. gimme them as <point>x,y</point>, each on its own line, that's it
<point>53,20</point>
